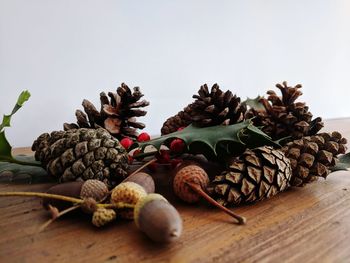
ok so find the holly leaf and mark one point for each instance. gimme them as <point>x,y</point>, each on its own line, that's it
<point>13,172</point>
<point>5,147</point>
<point>215,142</point>
<point>343,163</point>
<point>254,103</point>
<point>22,98</point>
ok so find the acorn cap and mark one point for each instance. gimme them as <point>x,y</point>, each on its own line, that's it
<point>130,193</point>
<point>94,189</point>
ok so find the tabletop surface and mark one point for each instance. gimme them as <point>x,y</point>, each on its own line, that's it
<point>308,224</point>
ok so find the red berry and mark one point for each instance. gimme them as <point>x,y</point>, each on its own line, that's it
<point>163,156</point>
<point>177,146</point>
<point>130,159</point>
<point>126,142</point>
<point>143,137</point>
<point>181,128</point>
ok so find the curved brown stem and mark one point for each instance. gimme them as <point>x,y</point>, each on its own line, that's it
<point>195,187</point>
<point>44,195</point>
<point>76,201</point>
<point>51,220</point>
<point>141,167</point>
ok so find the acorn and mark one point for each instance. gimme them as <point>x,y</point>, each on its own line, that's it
<point>130,193</point>
<point>92,188</point>
<point>143,179</point>
<point>157,218</point>
<point>189,184</point>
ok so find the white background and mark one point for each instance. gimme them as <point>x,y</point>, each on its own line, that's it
<point>64,51</point>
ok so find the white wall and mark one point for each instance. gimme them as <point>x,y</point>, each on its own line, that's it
<point>63,51</point>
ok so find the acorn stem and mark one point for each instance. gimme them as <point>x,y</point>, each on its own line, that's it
<point>63,212</point>
<point>44,195</point>
<point>198,189</point>
<point>119,205</point>
<point>141,167</point>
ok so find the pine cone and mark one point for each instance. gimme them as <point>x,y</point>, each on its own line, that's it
<point>256,175</point>
<point>82,154</point>
<point>209,109</point>
<point>118,114</point>
<point>283,116</point>
<point>312,156</point>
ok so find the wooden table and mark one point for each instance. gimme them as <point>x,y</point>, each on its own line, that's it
<point>309,224</point>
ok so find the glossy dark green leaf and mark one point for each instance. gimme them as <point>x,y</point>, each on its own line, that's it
<point>217,141</point>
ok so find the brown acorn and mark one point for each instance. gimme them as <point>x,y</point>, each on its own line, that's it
<point>143,179</point>
<point>189,184</point>
<point>158,219</point>
<point>92,188</point>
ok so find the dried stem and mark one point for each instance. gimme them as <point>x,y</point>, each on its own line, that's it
<point>44,195</point>
<point>119,205</point>
<point>141,167</point>
<point>63,212</point>
<point>195,187</point>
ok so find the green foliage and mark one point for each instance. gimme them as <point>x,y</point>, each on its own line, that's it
<point>254,103</point>
<point>13,172</point>
<point>216,142</point>
<point>5,147</point>
<point>343,164</point>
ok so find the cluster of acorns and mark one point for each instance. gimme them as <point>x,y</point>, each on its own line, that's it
<point>98,147</point>
<point>133,199</point>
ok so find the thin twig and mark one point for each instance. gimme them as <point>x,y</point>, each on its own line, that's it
<point>140,168</point>
<point>63,212</point>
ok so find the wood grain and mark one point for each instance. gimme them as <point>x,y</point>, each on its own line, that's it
<point>309,224</point>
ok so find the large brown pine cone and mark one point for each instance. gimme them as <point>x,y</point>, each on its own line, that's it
<point>255,175</point>
<point>283,117</point>
<point>210,108</point>
<point>82,154</point>
<point>313,156</point>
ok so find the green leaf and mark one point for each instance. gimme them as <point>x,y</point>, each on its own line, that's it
<point>215,142</point>
<point>23,97</point>
<point>254,103</point>
<point>343,164</point>
<point>12,172</point>
<point>5,147</point>
<point>6,120</point>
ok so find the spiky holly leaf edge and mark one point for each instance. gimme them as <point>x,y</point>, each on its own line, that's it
<point>8,163</point>
<point>215,142</point>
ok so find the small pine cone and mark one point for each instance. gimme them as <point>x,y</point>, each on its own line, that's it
<point>117,115</point>
<point>210,108</point>
<point>313,156</point>
<point>82,154</point>
<point>256,175</point>
<point>283,117</point>
<point>103,216</point>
